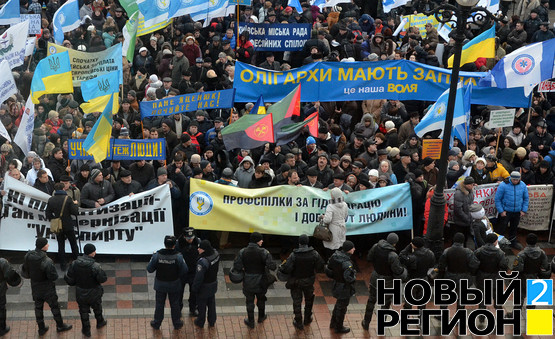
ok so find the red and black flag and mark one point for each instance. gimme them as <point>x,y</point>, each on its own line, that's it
<point>284,110</point>
<point>291,132</point>
<point>250,131</point>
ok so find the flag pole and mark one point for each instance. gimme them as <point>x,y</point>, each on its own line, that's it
<point>497,144</point>
<point>529,112</point>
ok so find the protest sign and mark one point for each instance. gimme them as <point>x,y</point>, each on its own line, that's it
<point>546,86</point>
<point>501,118</point>
<point>34,23</point>
<point>187,103</point>
<point>12,44</point>
<point>537,218</point>
<point>291,210</point>
<point>130,225</point>
<point>240,2</point>
<point>123,149</point>
<point>340,81</point>
<point>419,21</point>
<point>277,37</point>
<point>85,65</point>
<point>431,148</point>
<point>483,194</point>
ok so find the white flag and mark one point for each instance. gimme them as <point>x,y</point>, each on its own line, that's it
<point>7,82</point>
<point>24,136</point>
<point>12,44</point>
<point>30,46</point>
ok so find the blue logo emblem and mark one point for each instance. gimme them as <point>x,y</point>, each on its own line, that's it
<point>200,203</point>
<point>523,64</point>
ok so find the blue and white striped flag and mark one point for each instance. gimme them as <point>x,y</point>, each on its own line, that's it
<point>526,67</point>
<point>9,13</point>
<point>388,5</point>
<point>66,19</point>
<point>156,11</point>
<point>297,4</point>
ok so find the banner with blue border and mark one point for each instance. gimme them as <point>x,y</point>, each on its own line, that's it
<point>123,149</point>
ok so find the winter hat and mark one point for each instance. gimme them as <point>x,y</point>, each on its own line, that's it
<point>526,164</point>
<point>491,238</point>
<point>195,159</point>
<point>469,180</point>
<point>169,241</point>
<point>515,175</point>
<point>346,157</point>
<point>533,155</point>
<point>418,172</point>
<point>124,173</point>
<point>161,171</point>
<point>389,125</point>
<point>303,239</point>
<point>347,246</point>
<point>310,140</point>
<point>392,238</point>
<point>418,242</point>
<point>85,167</point>
<point>88,249</point>
<point>531,239</point>
<point>204,164</point>
<point>468,154</point>
<point>227,173</point>
<point>458,238</point>
<point>452,164</point>
<point>520,152</point>
<point>456,150</point>
<point>94,173</point>
<point>256,237</point>
<point>394,152</point>
<point>40,243</point>
<point>373,173</point>
<point>364,183</point>
<point>206,247</point>
<point>427,161</point>
<point>482,160</point>
<point>477,211</point>
<point>544,164</point>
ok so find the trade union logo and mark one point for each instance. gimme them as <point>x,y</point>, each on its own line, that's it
<point>200,203</point>
<point>52,50</point>
<point>162,4</point>
<point>62,18</point>
<point>261,131</point>
<point>440,110</point>
<point>523,64</point>
<point>214,3</point>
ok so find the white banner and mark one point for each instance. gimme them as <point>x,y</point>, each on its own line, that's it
<point>12,44</point>
<point>30,46</point>
<point>538,217</point>
<point>24,136</point>
<point>34,23</point>
<point>539,205</point>
<point>546,86</point>
<point>7,82</point>
<point>129,225</point>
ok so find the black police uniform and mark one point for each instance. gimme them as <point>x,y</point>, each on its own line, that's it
<point>457,263</point>
<point>87,275</point>
<point>530,262</point>
<point>205,286</point>
<point>170,269</point>
<point>386,266</point>
<point>492,260</point>
<point>254,261</point>
<point>301,266</point>
<point>190,255</point>
<point>341,270</point>
<point>8,276</point>
<point>417,261</point>
<point>42,272</point>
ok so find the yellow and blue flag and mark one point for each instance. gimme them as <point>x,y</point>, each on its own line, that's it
<point>98,140</point>
<point>482,46</point>
<point>97,91</point>
<point>102,90</point>
<point>52,75</point>
<point>259,107</point>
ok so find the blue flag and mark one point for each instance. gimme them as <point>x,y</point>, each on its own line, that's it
<point>9,13</point>
<point>460,131</point>
<point>155,11</point>
<point>526,67</point>
<point>100,86</point>
<point>297,4</point>
<point>66,19</point>
<point>435,118</point>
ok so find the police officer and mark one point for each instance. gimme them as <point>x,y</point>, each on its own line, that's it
<point>254,261</point>
<point>8,276</point>
<point>418,260</point>
<point>530,263</point>
<point>205,284</point>
<point>170,269</point>
<point>457,263</point>
<point>341,270</point>
<point>87,275</point>
<point>41,270</point>
<point>188,244</point>
<point>386,266</point>
<point>301,267</point>
<point>492,260</point>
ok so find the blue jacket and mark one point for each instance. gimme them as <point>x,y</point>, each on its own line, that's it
<point>511,198</point>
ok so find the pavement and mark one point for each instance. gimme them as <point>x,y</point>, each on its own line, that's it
<point>129,304</point>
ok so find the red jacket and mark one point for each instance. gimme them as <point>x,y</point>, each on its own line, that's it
<point>427,211</point>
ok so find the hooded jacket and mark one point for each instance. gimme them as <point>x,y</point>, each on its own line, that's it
<point>87,275</point>
<point>527,259</point>
<point>386,263</point>
<point>336,213</point>
<point>463,200</point>
<point>244,177</point>
<point>93,191</point>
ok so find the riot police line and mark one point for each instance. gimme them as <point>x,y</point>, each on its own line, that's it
<point>189,260</point>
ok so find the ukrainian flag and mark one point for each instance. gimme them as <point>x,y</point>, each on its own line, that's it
<point>259,107</point>
<point>98,140</point>
<point>98,91</point>
<point>482,46</point>
<point>52,75</point>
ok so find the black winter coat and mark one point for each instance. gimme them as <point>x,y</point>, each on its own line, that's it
<point>87,275</point>
<point>54,208</point>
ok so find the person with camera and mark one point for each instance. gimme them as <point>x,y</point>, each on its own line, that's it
<point>87,275</point>
<point>301,267</point>
<point>254,261</point>
<point>63,207</point>
<point>170,270</point>
<point>8,276</point>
